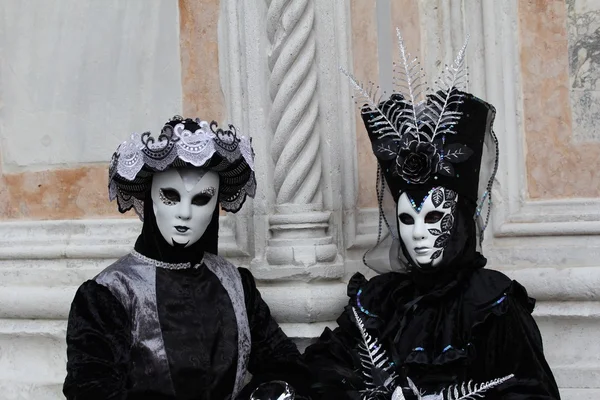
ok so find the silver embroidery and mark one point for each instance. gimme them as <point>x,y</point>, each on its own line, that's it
<point>231,280</point>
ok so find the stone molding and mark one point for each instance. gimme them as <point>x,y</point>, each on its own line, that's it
<point>97,238</point>
<point>57,254</point>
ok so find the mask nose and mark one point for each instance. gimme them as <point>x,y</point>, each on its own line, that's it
<point>419,231</point>
<point>184,211</point>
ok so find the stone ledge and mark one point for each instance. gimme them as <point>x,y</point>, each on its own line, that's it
<point>302,303</point>
<point>88,239</point>
<point>560,284</point>
<point>579,394</point>
<point>45,290</point>
<point>21,390</point>
<point>581,283</point>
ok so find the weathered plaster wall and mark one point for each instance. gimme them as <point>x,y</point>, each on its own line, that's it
<point>79,79</point>
<point>202,94</point>
<point>560,100</point>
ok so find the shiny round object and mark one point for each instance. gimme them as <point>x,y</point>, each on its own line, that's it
<point>274,390</point>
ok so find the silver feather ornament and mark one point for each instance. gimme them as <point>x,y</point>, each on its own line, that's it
<point>409,79</point>
<point>439,112</point>
<point>370,96</point>
<point>380,378</point>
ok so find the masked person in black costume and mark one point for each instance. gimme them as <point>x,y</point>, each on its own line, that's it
<point>440,319</point>
<point>172,319</point>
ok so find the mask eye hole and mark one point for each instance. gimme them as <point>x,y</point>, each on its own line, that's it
<point>169,196</point>
<point>406,219</point>
<point>433,216</point>
<point>201,199</point>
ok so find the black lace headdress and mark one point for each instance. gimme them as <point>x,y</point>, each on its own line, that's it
<point>426,138</point>
<point>181,143</point>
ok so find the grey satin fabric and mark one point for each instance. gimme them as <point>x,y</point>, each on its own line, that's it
<point>132,280</point>
<point>134,284</point>
<point>231,280</point>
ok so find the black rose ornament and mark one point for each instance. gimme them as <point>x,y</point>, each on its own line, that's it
<point>417,161</point>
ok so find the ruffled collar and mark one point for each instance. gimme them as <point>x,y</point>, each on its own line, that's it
<point>429,327</point>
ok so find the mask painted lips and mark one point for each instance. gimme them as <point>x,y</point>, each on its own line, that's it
<point>182,229</point>
<point>421,250</point>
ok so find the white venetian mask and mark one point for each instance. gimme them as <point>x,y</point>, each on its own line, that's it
<point>184,201</point>
<point>426,228</point>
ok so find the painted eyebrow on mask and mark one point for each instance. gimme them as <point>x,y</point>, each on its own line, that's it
<point>202,198</point>
<point>208,191</point>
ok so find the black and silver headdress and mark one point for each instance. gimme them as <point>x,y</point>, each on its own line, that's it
<point>181,143</point>
<point>425,138</point>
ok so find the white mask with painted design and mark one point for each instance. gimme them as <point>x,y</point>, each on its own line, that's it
<point>184,201</point>
<point>425,228</point>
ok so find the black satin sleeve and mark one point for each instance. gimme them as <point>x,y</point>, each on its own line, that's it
<point>333,361</point>
<point>98,344</point>
<point>273,355</point>
<point>511,343</point>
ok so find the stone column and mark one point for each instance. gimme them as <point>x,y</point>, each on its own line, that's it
<point>279,71</point>
<point>300,240</point>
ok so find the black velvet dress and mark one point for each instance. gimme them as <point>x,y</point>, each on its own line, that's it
<point>472,325</point>
<point>196,326</point>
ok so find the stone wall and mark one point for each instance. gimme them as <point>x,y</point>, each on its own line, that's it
<point>77,77</point>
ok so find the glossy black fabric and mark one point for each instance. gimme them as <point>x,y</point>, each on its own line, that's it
<point>200,336</point>
<point>199,331</point>
<point>98,339</point>
<point>477,327</point>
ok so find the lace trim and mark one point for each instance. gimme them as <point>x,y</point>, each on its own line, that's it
<point>162,264</point>
<point>138,158</point>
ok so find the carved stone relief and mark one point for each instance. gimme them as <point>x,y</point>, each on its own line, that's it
<point>583,26</point>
